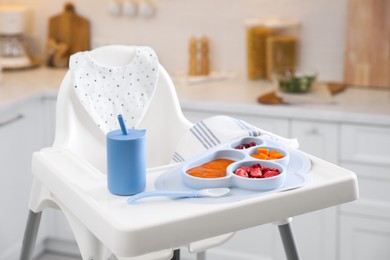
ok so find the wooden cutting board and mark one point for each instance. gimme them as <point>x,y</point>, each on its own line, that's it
<point>68,33</point>
<point>367,56</point>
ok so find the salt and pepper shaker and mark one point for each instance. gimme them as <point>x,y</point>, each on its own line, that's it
<point>204,58</point>
<point>198,65</point>
<point>193,61</point>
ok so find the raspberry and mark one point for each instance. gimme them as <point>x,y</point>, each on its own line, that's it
<point>245,168</point>
<point>255,173</point>
<point>245,145</point>
<point>252,144</point>
<point>256,165</point>
<point>265,169</point>
<point>271,173</point>
<point>242,173</point>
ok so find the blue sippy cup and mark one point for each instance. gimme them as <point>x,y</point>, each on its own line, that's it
<point>126,160</point>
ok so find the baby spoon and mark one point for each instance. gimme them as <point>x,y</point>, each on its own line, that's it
<point>215,192</point>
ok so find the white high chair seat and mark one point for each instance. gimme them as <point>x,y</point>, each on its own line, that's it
<point>70,176</point>
<point>80,146</point>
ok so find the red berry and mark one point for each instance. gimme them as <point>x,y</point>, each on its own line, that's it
<point>245,145</point>
<point>256,165</point>
<point>255,173</point>
<point>271,173</point>
<point>245,168</point>
<point>265,169</point>
<point>241,172</point>
<point>252,144</point>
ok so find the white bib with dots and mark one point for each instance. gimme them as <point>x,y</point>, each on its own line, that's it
<point>106,92</point>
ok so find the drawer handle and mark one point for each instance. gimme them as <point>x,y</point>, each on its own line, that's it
<point>12,120</point>
<point>313,131</point>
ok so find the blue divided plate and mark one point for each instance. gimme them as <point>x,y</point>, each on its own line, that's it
<point>297,169</point>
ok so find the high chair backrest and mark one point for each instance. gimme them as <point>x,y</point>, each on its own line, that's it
<point>164,121</point>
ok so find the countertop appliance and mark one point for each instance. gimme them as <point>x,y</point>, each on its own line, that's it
<point>15,45</point>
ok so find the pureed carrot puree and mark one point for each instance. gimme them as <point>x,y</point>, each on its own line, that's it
<point>213,169</point>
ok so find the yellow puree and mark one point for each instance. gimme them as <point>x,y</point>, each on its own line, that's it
<point>212,169</point>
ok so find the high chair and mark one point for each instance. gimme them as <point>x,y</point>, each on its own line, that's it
<point>71,176</point>
<point>79,143</point>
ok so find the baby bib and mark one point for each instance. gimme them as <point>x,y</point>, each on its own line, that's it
<point>106,92</point>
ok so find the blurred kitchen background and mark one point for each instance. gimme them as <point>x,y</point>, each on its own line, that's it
<point>322,32</point>
<point>347,42</point>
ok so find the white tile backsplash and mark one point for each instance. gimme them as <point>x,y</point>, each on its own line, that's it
<point>321,37</point>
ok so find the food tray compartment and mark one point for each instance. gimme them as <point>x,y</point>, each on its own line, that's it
<point>252,151</point>
<point>246,140</point>
<point>205,183</point>
<point>257,184</point>
<point>240,157</point>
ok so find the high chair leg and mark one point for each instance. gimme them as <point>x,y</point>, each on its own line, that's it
<point>287,237</point>
<point>176,254</point>
<point>30,235</point>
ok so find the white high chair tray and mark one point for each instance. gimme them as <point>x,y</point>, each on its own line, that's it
<point>131,230</point>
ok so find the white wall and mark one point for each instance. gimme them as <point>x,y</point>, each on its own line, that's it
<point>322,31</point>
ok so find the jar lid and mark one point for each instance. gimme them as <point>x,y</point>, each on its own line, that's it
<point>272,23</point>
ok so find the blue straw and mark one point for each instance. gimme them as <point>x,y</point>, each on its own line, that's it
<point>122,124</point>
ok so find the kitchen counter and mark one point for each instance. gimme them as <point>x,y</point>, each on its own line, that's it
<point>360,105</point>
<point>16,86</point>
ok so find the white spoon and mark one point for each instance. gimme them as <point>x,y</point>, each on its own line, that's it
<point>215,192</point>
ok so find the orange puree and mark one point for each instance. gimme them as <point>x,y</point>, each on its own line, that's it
<point>212,169</point>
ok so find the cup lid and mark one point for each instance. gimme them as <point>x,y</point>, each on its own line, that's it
<point>132,134</point>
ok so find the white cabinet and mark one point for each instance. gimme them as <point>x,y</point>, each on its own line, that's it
<point>25,128</point>
<point>316,232</point>
<point>365,144</point>
<point>364,238</point>
<point>374,195</point>
<point>365,223</point>
<point>317,138</point>
<point>21,133</point>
